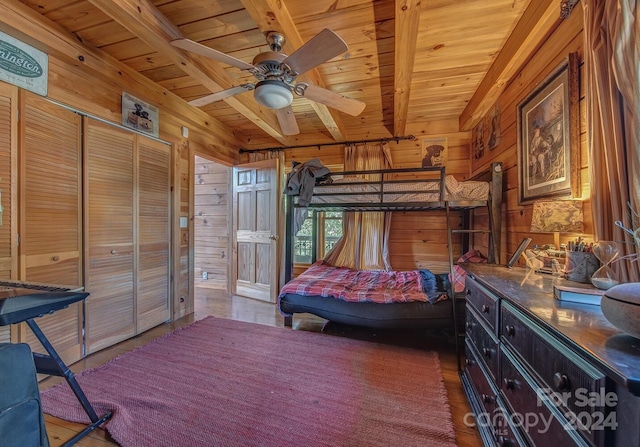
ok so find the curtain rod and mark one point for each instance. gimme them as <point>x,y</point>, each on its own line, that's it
<point>337,143</point>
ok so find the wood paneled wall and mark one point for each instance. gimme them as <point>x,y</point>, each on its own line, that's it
<point>418,238</point>
<point>566,38</point>
<point>87,80</point>
<point>211,224</point>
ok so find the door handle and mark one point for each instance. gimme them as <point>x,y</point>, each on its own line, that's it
<point>274,238</point>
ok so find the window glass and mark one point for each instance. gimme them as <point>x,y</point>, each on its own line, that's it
<point>329,231</point>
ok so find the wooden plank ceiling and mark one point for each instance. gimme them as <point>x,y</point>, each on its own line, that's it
<point>434,54</point>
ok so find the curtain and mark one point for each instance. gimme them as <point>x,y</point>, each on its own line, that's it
<point>611,32</point>
<point>365,241</point>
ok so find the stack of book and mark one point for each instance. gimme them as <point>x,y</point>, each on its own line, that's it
<point>579,293</point>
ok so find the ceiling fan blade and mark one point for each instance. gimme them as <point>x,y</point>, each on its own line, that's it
<point>221,95</point>
<point>334,100</point>
<point>203,50</point>
<point>324,46</point>
<point>287,121</point>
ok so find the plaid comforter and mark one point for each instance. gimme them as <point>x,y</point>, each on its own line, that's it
<point>375,286</point>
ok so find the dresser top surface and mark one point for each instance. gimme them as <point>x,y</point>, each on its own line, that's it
<point>581,326</point>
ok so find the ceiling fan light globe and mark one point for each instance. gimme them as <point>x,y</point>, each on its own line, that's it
<point>273,94</point>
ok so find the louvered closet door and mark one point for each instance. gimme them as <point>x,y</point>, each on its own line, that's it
<point>154,193</point>
<point>109,211</point>
<point>8,167</point>
<point>50,214</point>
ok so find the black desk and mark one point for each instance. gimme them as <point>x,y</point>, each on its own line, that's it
<point>25,301</point>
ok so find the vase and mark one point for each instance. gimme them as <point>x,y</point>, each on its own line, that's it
<point>621,306</point>
<point>605,277</point>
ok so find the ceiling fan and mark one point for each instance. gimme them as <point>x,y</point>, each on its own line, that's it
<point>276,74</point>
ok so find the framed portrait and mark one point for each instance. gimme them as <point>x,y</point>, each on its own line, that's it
<point>478,141</point>
<point>434,152</point>
<point>548,136</point>
<point>492,127</point>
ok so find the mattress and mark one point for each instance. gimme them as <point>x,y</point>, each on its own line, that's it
<point>409,315</point>
<point>355,190</point>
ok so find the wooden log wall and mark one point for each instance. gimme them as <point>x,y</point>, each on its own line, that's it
<point>416,239</point>
<point>211,228</point>
<point>89,81</point>
<point>566,38</point>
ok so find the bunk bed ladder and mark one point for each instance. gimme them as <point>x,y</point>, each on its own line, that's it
<point>493,232</point>
<point>452,291</point>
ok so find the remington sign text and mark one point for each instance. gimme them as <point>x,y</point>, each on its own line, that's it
<point>23,65</point>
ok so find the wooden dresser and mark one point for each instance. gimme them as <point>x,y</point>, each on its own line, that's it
<point>539,372</point>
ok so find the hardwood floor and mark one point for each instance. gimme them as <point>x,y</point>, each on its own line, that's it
<point>217,303</point>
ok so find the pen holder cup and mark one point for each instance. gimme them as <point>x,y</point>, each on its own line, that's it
<point>580,266</point>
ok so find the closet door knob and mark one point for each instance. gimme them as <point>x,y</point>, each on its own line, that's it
<point>113,252</point>
<point>510,384</point>
<point>510,330</point>
<point>55,258</point>
<point>273,237</point>
<point>485,308</point>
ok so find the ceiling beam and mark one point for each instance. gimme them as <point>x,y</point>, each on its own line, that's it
<point>147,23</point>
<point>537,21</point>
<point>273,15</point>
<point>406,38</point>
<point>26,24</point>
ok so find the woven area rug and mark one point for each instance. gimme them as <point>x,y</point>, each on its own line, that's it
<point>221,383</point>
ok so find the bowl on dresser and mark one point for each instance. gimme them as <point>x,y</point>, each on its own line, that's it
<point>621,306</point>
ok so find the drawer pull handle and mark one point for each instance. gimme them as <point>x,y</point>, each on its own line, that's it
<point>487,399</point>
<point>485,308</point>
<point>511,330</point>
<point>55,258</point>
<point>469,362</point>
<point>486,352</point>
<point>113,252</point>
<point>469,325</point>
<point>510,384</point>
<point>503,441</point>
<point>561,382</point>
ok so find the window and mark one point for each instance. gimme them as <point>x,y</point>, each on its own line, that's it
<point>329,230</point>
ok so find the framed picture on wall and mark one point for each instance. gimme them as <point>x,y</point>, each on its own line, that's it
<point>548,136</point>
<point>434,152</point>
<point>492,127</point>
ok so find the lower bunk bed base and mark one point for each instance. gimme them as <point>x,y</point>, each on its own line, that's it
<point>411,315</point>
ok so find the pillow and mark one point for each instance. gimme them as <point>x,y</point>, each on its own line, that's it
<point>459,273</point>
<point>452,185</point>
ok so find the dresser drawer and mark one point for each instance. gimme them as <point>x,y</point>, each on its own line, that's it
<point>483,301</point>
<point>563,375</point>
<point>485,393</point>
<point>505,433</point>
<point>542,422</point>
<point>484,341</point>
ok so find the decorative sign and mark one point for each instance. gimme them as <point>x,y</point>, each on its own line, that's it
<point>22,65</point>
<point>139,115</point>
<point>434,152</point>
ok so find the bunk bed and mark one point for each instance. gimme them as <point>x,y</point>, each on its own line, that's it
<point>415,299</point>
